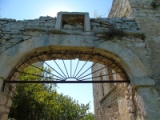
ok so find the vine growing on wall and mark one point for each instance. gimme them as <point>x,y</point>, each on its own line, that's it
<point>155,4</point>
<point>119,33</point>
<point>111,33</point>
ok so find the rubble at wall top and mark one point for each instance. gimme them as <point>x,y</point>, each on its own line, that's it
<point>43,22</point>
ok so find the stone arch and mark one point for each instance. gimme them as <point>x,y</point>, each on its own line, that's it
<point>134,67</point>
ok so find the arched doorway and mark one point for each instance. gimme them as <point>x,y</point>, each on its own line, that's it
<point>77,71</point>
<point>86,54</point>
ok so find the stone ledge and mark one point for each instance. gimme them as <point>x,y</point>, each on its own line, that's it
<point>142,82</point>
<point>58,31</point>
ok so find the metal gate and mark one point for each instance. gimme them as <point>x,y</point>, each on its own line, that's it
<point>63,72</point>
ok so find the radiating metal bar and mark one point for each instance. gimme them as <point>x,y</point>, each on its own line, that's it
<point>102,75</point>
<point>76,68</point>
<point>40,69</point>
<point>54,70</point>
<point>65,68</point>
<point>38,75</point>
<point>60,68</point>
<point>89,68</point>
<point>47,72</point>
<point>95,71</point>
<point>70,68</point>
<point>84,64</point>
<point>81,68</point>
<point>99,76</point>
<point>98,81</point>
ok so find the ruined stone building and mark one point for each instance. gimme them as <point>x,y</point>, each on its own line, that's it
<point>123,47</point>
<point>114,101</point>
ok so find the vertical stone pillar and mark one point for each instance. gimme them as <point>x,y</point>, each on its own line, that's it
<point>87,26</point>
<point>5,102</point>
<point>58,24</point>
<point>146,99</point>
<point>148,103</point>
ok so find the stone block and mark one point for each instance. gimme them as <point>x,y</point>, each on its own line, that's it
<point>6,36</point>
<point>40,41</point>
<point>157,15</point>
<point>142,45</point>
<point>15,32</point>
<point>41,24</point>
<point>2,108</point>
<point>69,27</point>
<point>138,82</point>
<point>4,116</point>
<point>95,24</point>
<point>3,98</point>
<point>80,27</point>
<point>9,103</point>
<point>27,37</point>
<point>32,24</point>
<point>16,40</point>
<point>73,27</point>
<point>50,24</point>
<point>6,29</point>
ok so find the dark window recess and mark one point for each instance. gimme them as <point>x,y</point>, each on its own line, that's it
<point>72,21</point>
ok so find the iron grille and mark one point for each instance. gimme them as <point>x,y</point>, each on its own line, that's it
<point>70,73</point>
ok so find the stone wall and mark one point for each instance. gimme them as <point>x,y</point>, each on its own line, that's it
<point>148,19</point>
<point>13,32</point>
<point>113,100</point>
<point>147,15</point>
<point>120,9</point>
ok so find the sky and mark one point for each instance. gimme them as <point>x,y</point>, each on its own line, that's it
<point>32,9</point>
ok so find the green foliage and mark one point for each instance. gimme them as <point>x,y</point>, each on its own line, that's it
<point>41,102</point>
<point>89,116</point>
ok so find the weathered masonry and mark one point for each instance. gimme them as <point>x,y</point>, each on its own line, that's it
<point>130,37</point>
